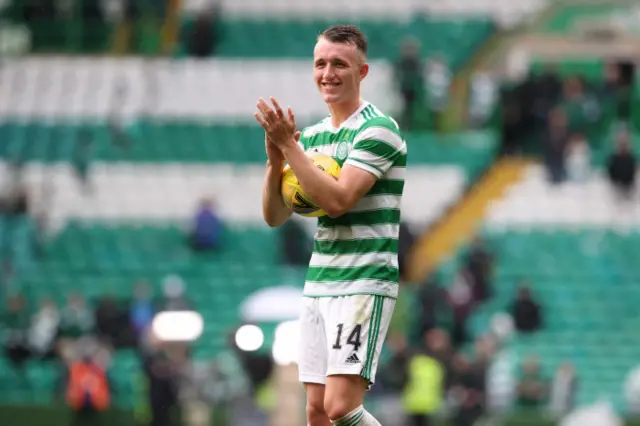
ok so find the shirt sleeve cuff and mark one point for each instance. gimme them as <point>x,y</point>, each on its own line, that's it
<point>352,162</point>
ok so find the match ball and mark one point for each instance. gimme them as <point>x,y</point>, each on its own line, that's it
<point>294,196</point>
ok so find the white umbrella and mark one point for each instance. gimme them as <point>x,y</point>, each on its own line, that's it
<point>272,304</point>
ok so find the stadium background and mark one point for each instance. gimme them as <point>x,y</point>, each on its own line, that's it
<point>114,127</point>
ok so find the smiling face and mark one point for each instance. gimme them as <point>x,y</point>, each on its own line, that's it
<point>338,70</point>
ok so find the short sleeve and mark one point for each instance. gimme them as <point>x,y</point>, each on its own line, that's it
<point>375,149</point>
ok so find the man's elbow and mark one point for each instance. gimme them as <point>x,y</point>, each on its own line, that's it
<point>274,222</point>
<point>337,208</point>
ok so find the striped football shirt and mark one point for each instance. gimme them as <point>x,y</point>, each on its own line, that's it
<point>357,253</point>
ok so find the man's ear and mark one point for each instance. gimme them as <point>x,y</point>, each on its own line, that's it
<point>364,71</point>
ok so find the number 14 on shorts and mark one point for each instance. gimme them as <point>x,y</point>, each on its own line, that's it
<point>353,339</point>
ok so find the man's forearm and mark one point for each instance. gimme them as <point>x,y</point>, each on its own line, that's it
<point>274,211</point>
<point>323,189</point>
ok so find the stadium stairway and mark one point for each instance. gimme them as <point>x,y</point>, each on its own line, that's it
<point>462,221</point>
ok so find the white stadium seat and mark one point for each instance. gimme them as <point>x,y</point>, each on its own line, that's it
<point>534,201</point>
<point>126,191</point>
<point>224,89</point>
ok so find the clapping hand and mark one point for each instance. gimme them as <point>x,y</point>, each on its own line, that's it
<point>280,129</point>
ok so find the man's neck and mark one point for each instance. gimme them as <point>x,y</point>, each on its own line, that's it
<point>341,112</point>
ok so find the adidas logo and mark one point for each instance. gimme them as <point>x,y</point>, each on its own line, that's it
<point>353,359</point>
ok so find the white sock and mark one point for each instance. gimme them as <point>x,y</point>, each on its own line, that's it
<point>358,417</point>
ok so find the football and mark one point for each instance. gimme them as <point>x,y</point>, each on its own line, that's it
<point>294,196</point>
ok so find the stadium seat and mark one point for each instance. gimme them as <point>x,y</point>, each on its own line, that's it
<point>580,269</point>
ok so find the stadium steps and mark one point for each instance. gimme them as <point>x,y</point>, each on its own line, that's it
<point>464,219</point>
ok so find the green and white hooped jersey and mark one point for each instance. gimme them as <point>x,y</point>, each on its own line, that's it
<point>357,253</point>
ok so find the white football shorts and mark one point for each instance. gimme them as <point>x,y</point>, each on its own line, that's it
<point>342,335</point>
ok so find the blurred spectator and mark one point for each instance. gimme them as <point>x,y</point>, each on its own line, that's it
<point>579,106</point>
<point>556,142</point>
<point>483,97</point>
<point>88,390</point>
<point>15,322</point>
<point>142,309</point>
<point>174,297</point>
<point>207,228</point>
<point>393,377</point>
<point>578,158</point>
<point>532,387</point>
<point>205,34</point>
<point>406,240</point>
<point>44,329</point>
<point>479,263</point>
<point>426,379</point>
<point>431,300</point>
<point>527,313</point>
<point>546,91</point>
<point>563,390</point>
<point>409,77</point>
<point>297,245</point>
<point>77,318</point>
<point>438,84</point>
<point>468,392</point>
<point>112,323</point>
<point>460,298</point>
<point>611,83</point>
<point>622,167</point>
<point>81,160</point>
<point>163,385</point>
<point>438,345</point>
<point>7,278</point>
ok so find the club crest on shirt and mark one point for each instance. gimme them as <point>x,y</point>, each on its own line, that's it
<point>342,151</point>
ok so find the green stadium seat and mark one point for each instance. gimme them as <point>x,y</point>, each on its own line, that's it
<point>590,317</point>
<point>455,38</point>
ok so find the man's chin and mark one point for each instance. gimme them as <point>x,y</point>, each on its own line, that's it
<point>331,98</point>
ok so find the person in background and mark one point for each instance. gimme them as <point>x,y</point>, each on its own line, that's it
<point>532,388</point>
<point>88,390</point>
<point>406,239</point>
<point>467,392</point>
<point>556,142</point>
<point>205,34</point>
<point>526,312</point>
<point>82,157</point>
<point>393,377</point>
<point>483,97</point>
<point>438,83</point>
<point>563,390</point>
<point>622,167</point>
<point>77,318</point>
<point>461,300</point>
<point>479,262</point>
<point>142,309</point>
<point>15,324</point>
<point>427,373</point>
<point>432,302</point>
<point>174,298</point>
<point>207,228</point>
<point>578,158</point>
<point>409,78</point>
<point>44,329</point>
<point>163,384</point>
